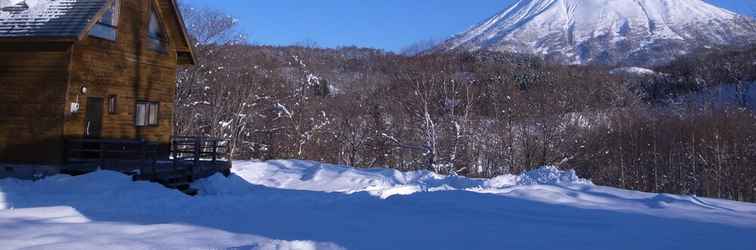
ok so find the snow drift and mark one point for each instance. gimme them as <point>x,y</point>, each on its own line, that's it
<point>632,71</point>
<point>379,182</point>
<point>309,205</point>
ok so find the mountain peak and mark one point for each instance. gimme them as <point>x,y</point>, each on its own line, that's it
<point>607,31</point>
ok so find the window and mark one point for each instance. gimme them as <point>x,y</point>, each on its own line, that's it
<point>141,114</point>
<point>147,114</point>
<point>107,26</point>
<point>112,104</point>
<point>155,33</point>
<point>152,119</point>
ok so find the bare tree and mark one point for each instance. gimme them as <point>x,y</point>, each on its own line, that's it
<point>211,26</point>
<point>478,114</point>
<point>420,47</point>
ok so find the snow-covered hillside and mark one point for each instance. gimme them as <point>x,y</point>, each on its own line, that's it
<point>308,205</point>
<point>640,32</point>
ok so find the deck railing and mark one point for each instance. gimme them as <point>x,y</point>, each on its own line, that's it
<point>192,148</point>
<point>111,154</point>
<point>192,158</point>
<point>202,156</point>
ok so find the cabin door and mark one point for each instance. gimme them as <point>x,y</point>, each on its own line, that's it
<point>93,119</point>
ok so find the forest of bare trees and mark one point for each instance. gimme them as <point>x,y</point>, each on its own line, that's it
<point>688,130</point>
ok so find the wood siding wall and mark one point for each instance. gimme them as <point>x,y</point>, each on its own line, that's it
<point>40,80</point>
<point>129,69</point>
<point>33,78</point>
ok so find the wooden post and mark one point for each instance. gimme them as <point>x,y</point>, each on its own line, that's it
<point>174,148</point>
<point>66,151</point>
<point>197,150</point>
<point>215,150</point>
<point>102,154</point>
<point>142,151</point>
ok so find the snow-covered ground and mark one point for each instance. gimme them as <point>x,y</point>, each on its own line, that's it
<point>307,205</point>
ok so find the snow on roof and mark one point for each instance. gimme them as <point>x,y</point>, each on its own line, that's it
<point>5,3</point>
<point>46,18</point>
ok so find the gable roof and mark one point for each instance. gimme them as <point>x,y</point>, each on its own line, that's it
<point>71,20</point>
<point>66,19</point>
<point>171,10</point>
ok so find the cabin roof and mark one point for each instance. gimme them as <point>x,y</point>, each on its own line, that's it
<point>47,18</point>
<point>69,21</point>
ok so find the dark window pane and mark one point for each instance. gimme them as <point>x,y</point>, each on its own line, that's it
<point>155,33</point>
<point>108,18</point>
<point>107,26</point>
<point>104,32</point>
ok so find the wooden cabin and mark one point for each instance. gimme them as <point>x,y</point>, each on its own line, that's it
<point>87,69</point>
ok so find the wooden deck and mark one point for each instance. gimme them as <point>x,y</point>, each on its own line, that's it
<point>191,158</point>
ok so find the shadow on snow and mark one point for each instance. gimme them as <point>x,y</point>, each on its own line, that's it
<point>426,220</point>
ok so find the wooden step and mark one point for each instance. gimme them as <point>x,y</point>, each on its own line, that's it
<point>191,191</point>
<point>178,185</point>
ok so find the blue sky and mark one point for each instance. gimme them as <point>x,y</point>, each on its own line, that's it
<point>384,24</point>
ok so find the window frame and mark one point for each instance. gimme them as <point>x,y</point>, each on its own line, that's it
<point>157,43</point>
<point>160,42</point>
<point>108,28</point>
<point>113,104</point>
<point>150,109</point>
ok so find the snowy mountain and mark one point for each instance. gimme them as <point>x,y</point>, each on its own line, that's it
<point>638,32</point>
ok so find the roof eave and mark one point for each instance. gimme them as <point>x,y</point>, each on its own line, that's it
<point>91,23</point>
<point>184,34</point>
<point>38,39</point>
